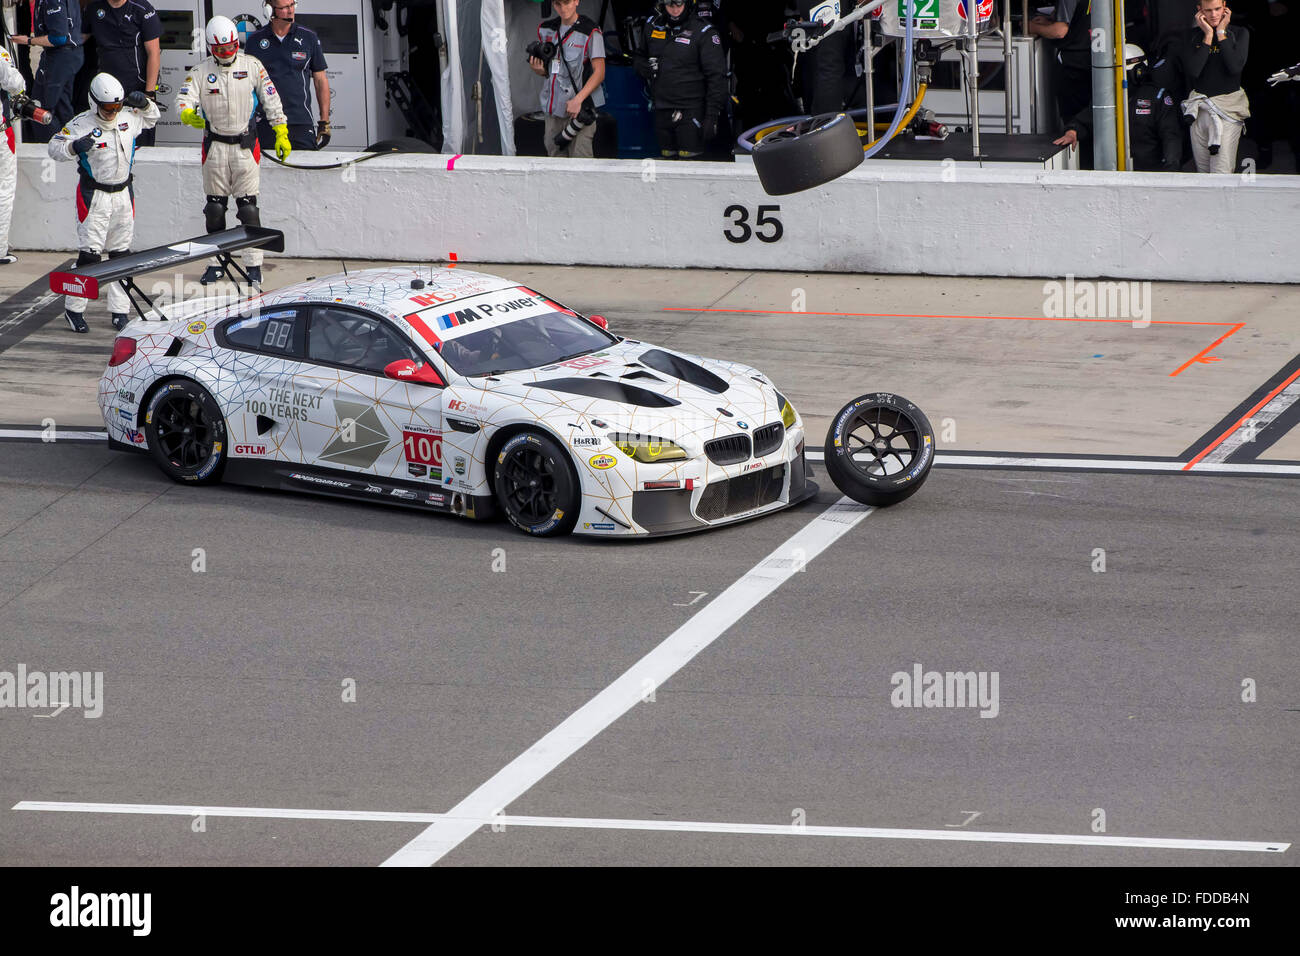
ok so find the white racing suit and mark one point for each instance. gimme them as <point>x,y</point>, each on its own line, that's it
<point>11,81</point>
<point>227,97</point>
<point>105,197</point>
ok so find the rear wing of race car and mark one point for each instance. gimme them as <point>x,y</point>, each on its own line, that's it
<point>85,281</point>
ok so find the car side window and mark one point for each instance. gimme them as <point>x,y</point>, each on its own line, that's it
<point>278,331</point>
<point>356,340</point>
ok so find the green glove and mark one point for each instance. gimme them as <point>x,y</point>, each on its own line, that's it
<point>190,118</point>
<point>282,147</point>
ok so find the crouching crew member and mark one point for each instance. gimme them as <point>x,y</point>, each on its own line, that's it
<point>102,142</point>
<point>220,96</point>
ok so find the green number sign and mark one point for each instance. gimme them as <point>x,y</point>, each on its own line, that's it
<point>921,9</point>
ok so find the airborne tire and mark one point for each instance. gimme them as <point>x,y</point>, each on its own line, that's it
<point>186,433</point>
<point>807,153</point>
<point>879,449</point>
<point>536,485</point>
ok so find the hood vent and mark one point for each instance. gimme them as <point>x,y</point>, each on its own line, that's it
<point>683,369</point>
<point>609,391</point>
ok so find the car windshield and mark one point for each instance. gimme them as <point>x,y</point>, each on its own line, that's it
<point>529,342</point>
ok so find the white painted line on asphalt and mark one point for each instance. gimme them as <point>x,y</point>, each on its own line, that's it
<point>673,826</point>
<point>879,833</point>
<point>677,650</point>
<point>1249,429</point>
<point>1030,462</point>
<point>269,813</point>
<point>941,460</point>
<point>59,435</point>
<point>38,303</point>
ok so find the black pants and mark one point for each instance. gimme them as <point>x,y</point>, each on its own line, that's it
<point>300,137</point>
<point>680,132</point>
<point>53,87</point>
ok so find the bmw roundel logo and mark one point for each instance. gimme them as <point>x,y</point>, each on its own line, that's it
<point>96,132</point>
<point>743,424</point>
<point>212,77</point>
<point>100,13</point>
<point>264,43</point>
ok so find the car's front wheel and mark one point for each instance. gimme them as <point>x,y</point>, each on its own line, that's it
<point>186,432</point>
<point>879,449</point>
<point>536,485</point>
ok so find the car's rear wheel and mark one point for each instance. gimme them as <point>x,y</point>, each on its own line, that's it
<point>879,449</point>
<point>536,485</point>
<point>186,432</point>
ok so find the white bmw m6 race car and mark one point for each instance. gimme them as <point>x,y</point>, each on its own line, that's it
<point>456,391</point>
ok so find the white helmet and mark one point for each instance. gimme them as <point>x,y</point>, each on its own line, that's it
<point>106,93</point>
<point>1132,54</point>
<point>223,39</point>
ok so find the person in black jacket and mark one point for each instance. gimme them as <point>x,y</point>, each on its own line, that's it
<point>1155,135</point>
<point>687,72</point>
<point>1213,55</point>
<point>1069,27</point>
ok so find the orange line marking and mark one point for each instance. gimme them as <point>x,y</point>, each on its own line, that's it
<point>1203,357</point>
<point>1237,424</point>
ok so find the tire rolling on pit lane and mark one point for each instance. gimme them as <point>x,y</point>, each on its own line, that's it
<point>879,449</point>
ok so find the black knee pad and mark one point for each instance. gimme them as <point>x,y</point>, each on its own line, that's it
<point>214,213</point>
<point>85,258</point>
<point>246,210</point>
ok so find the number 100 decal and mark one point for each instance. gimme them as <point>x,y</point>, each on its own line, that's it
<point>766,228</point>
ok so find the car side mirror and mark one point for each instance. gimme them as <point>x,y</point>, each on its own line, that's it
<point>405,370</point>
<point>601,321</point>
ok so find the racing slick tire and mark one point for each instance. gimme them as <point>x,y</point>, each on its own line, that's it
<point>809,152</point>
<point>186,433</point>
<point>879,449</point>
<point>536,485</point>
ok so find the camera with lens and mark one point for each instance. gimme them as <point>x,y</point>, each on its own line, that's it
<point>27,108</point>
<point>543,50</point>
<point>586,116</point>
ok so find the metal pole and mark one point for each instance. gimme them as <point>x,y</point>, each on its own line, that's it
<point>1123,152</point>
<point>1006,58</point>
<point>1103,88</point>
<point>973,73</point>
<point>867,58</point>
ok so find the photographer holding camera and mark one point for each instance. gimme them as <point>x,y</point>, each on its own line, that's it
<point>570,55</point>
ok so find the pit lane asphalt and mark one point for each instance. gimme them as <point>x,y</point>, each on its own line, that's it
<point>1119,690</point>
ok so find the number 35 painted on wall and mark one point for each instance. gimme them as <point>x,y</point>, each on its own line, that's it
<point>741,231</point>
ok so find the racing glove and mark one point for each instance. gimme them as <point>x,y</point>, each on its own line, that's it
<point>190,118</point>
<point>282,147</point>
<point>322,134</point>
<point>136,100</point>
<point>83,144</point>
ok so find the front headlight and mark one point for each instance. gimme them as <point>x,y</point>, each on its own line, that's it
<point>647,448</point>
<point>787,411</point>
